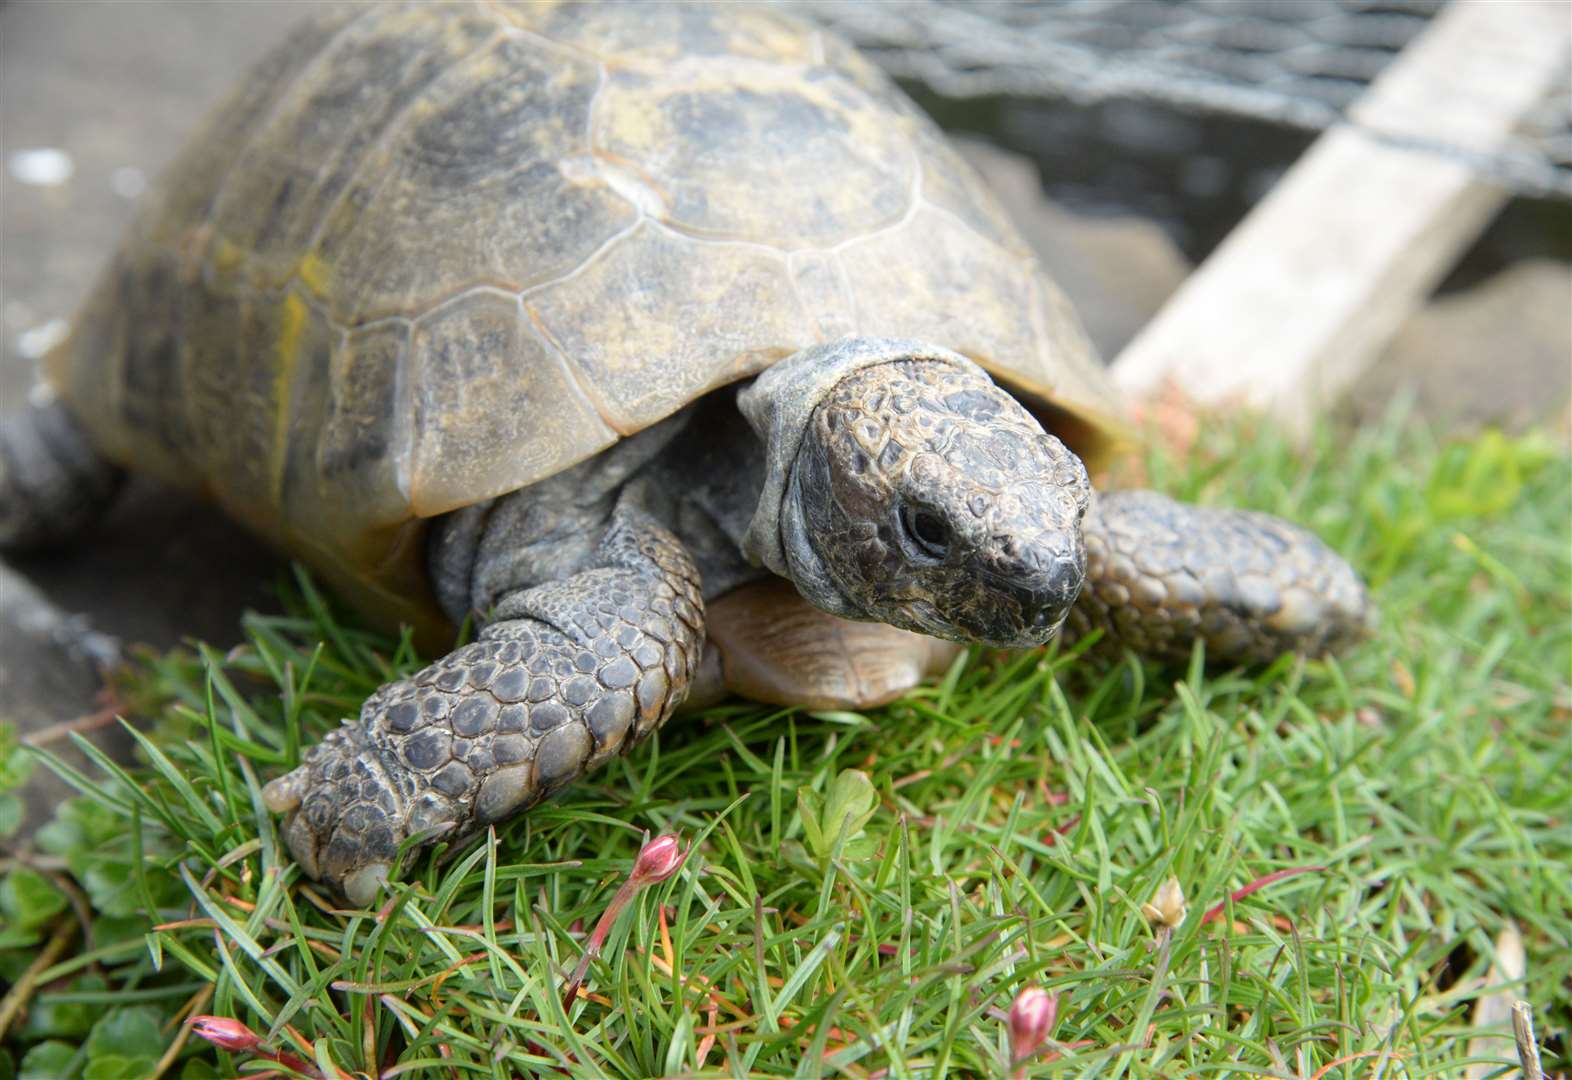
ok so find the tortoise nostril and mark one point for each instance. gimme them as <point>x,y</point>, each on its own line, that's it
<point>1046,601</point>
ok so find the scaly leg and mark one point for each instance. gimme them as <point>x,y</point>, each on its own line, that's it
<point>52,482</point>
<point>1160,574</point>
<point>566,674</point>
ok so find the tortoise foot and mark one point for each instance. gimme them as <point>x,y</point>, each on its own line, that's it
<point>1160,574</point>
<point>572,673</point>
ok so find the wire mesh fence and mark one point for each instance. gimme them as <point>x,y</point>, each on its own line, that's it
<point>1298,64</point>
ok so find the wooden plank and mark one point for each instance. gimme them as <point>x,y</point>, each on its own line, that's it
<point>1307,290</point>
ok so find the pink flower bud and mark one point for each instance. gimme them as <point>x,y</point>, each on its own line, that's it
<point>225,1033</point>
<point>657,861</point>
<point>1032,1017</point>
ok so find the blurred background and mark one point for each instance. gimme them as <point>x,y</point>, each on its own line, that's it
<point>1126,137</point>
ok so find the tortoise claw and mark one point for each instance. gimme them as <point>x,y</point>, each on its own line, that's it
<point>283,793</point>
<point>344,819</point>
<point>361,886</point>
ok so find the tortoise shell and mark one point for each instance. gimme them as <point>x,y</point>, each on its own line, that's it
<point>430,254</point>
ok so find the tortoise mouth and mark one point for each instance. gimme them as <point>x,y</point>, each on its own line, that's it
<point>922,617</point>
<point>998,627</point>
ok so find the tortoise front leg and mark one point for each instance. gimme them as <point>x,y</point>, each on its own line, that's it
<point>1160,574</point>
<point>567,674</point>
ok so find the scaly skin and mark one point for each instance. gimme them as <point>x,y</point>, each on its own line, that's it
<point>564,676</point>
<point>1160,574</point>
<point>52,483</point>
<point>931,447</point>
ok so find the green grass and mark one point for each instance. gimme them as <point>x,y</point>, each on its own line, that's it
<point>1026,808</point>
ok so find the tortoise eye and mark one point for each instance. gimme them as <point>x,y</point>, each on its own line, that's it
<point>926,530</point>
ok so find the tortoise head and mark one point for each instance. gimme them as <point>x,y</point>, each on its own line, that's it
<point>924,496</point>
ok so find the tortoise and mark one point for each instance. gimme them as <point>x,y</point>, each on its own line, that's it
<point>673,344</point>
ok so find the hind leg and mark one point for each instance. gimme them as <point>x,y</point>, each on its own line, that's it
<point>52,482</point>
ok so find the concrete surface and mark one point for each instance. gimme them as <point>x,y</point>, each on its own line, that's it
<point>1498,353</point>
<point>115,87</point>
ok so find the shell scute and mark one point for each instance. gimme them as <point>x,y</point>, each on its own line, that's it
<point>154,371</point>
<point>360,443</point>
<point>325,130</point>
<point>360,436</point>
<point>194,181</point>
<point>247,416</point>
<point>482,379</point>
<point>660,319</point>
<point>480,168</point>
<point>943,282</point>
<point>754,151</point>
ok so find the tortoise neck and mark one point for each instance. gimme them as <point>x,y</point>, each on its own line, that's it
<point>713,475</point>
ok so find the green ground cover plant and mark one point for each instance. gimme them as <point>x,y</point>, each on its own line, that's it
<point>1299,871</point>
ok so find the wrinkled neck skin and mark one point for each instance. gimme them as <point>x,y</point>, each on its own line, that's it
<point>698,472</point>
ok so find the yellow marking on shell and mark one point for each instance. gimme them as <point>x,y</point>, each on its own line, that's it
<point>292,321</point>
<point>227,256</point>
<point>313,274</point>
